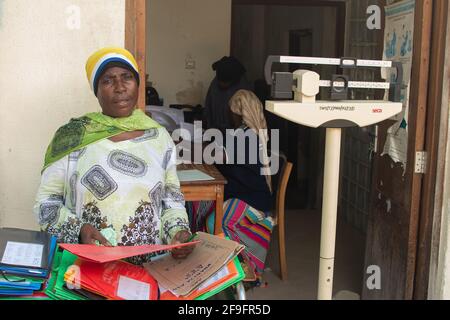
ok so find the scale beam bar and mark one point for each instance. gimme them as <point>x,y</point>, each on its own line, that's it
<point>336,61</point>
<point>356,84</point>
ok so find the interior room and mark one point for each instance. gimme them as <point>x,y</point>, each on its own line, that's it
<point>183,40</point>
<point>115,188</point>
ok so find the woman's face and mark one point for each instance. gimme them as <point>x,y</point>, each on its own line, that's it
<point>117,92</point>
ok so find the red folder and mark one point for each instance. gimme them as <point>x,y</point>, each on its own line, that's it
<point>100,254</point>
<point>116,280</point>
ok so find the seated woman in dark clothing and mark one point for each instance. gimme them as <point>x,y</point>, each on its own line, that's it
<point>248,189</point>
<point>230,77</point>
<point>244,164</point>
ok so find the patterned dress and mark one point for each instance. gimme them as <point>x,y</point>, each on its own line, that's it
<point>130,186</point>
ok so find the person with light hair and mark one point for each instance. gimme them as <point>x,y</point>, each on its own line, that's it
<point>248,192</point>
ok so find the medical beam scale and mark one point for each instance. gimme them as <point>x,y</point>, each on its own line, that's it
<point>294,99</point>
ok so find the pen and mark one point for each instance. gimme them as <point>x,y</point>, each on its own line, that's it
<point>191,237</point>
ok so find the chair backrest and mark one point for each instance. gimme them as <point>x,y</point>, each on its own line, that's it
<point>282,182</point>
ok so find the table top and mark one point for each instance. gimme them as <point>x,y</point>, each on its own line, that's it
<point>209,169</point>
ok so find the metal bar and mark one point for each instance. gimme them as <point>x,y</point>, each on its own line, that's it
<point>240,291</point>
<point>329,213</point>
<point>356,84</point>
<point>334,61</point>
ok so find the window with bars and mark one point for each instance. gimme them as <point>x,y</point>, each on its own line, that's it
<point>357,143</point>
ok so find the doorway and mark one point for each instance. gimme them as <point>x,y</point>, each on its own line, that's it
<point>297,28</point>
<point>358,143</point>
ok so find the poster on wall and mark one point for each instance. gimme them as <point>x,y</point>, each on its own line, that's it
<point>398,46</point>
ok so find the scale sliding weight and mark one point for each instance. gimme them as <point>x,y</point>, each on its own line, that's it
<point>296,93</point>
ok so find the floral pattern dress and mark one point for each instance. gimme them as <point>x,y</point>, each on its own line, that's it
<point>130,186</point>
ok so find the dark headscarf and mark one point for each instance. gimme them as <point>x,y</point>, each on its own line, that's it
<point>229,69</point>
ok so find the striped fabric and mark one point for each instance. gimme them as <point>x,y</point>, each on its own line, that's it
<point>246,225</point>
<point>241,223</point>
<point>98,60</point>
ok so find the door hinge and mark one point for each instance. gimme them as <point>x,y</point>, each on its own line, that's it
<point>421,162</point>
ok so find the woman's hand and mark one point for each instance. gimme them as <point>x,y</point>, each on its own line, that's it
<point>88,235</point>
<point>181,237</point>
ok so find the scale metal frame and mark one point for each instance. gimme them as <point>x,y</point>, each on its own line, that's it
<point>333,115</point>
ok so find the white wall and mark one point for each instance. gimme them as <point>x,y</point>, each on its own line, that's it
<point>439,281</point>
<point>43,84</point>
<point>180,30</point>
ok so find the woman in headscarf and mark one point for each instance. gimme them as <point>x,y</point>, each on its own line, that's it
<point>229,79</point>
<point>110,177</point>
<point>248,192</point>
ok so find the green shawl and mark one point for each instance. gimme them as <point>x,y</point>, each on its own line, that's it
<point>92,127</point>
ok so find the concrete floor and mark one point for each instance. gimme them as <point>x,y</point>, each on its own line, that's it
<point>302,249</point>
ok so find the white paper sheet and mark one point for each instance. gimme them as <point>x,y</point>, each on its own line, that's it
<point>221,274</point>
<point>23,254</point>
<point>130,289</point>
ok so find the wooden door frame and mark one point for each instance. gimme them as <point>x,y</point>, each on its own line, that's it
<point>431,198</point>
<point>135,40</point>
<point>416,128</point>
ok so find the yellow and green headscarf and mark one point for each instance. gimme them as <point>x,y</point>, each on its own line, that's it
<point>95,126</point>
<point>99,61</point>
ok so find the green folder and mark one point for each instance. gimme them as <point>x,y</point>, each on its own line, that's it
<point>240,276</point>
<point>55,288</point>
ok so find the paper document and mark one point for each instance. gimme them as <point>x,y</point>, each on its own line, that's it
<point>181,277</point>
<point>193,175</point>
<point>23,254</point>
<point>219,275</point>
<point>130,289</point>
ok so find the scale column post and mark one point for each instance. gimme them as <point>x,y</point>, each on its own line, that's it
<point>329,212</point>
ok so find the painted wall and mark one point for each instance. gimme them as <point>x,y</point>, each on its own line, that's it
<point>184,32</point>
<point>439,281</point>
<point>45,45</point>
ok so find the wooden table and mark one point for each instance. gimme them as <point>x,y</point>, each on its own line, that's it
<point>206,190</point>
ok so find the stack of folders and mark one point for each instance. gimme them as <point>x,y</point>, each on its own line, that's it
<point>56,287</point>
<point>117,280</point>
<point>26,258</point>
<point>212,267</point>
<point>90,272</point>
